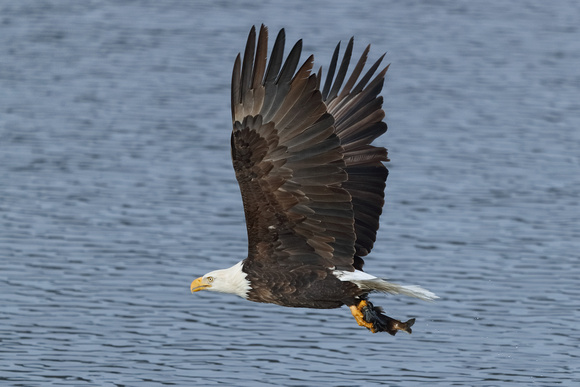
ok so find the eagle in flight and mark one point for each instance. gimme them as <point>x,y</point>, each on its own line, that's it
<point>312,184</point>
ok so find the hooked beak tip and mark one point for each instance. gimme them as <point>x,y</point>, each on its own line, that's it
<point>198,285</point>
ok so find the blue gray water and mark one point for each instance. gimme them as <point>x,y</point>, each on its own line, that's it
<point>116,190</point>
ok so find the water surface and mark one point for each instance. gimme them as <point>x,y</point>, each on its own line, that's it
<point>116,190</point>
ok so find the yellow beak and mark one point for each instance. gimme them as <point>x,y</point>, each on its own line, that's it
<point>198,285</point>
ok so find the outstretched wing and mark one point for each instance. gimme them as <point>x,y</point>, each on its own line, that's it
<point>298,178</point>
<point>288,161</point>
<point>357,110</point>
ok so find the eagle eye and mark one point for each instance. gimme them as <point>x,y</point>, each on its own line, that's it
<point>209,279</point>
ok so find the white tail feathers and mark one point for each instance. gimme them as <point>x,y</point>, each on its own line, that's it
<point>388,287</point>
<point>369,282</point>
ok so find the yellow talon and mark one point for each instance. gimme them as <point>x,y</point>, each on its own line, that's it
<point>356,311</point>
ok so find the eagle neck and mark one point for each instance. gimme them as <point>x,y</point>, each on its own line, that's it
<point>237,282</point>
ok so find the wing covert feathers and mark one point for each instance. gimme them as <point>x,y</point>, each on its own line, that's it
<point>311,182</point>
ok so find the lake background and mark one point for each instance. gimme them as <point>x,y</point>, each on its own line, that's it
<point>116,190</point>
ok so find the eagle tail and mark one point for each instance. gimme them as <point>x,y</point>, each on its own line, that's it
<point>369,282</point>
<point>383,286</point>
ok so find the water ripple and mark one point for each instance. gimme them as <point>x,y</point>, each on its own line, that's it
<point>117,190</point>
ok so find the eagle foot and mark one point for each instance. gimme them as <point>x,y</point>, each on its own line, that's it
<point>359,316</point>
<point>373,319</point>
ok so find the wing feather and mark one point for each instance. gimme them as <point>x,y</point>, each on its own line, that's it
<point>342,70</point>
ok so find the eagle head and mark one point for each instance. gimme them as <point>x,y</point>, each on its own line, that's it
<point>232,280</point>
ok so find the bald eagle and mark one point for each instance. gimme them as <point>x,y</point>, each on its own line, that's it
<point>312,184</point>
